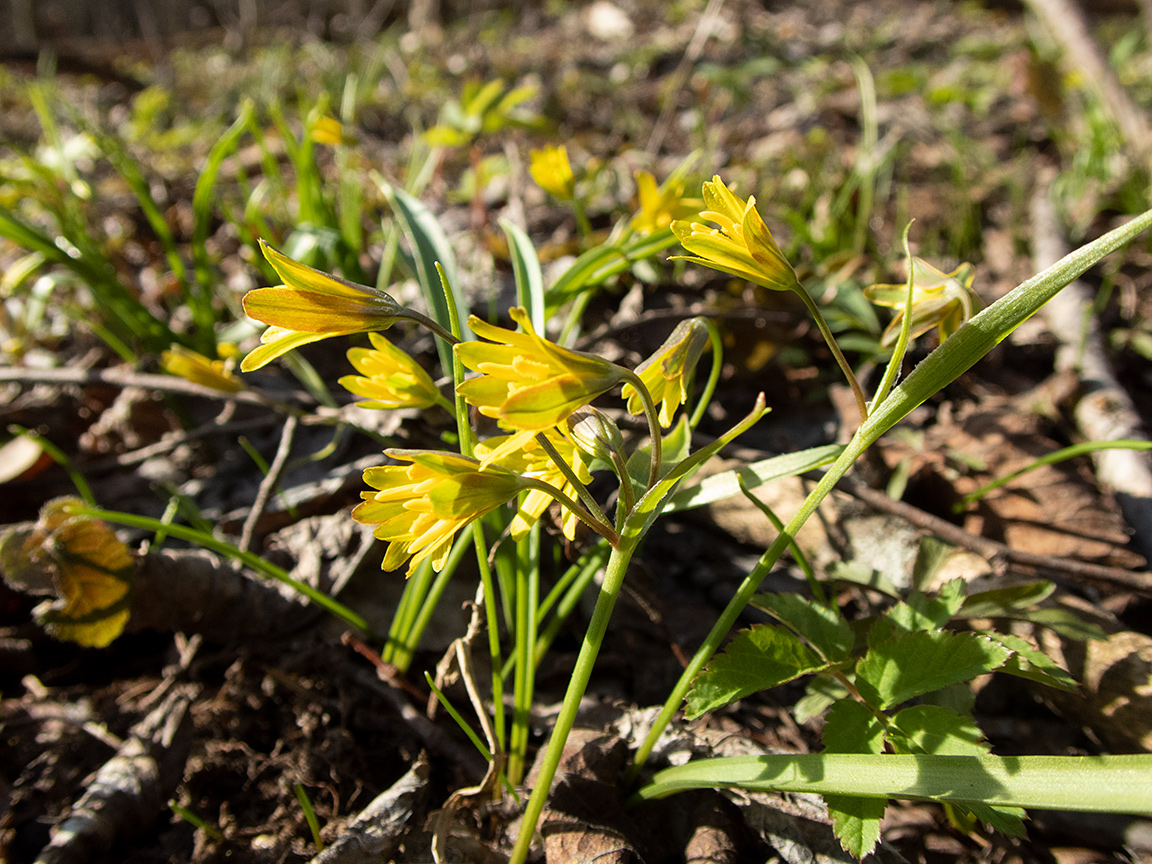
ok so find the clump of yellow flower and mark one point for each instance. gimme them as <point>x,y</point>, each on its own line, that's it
<point>552,171</point>
<point>418,508</point>
<point>390,378</point>
<point>312,305</point>
<point>532,460</point>
<point>741,246</point>
<point>195,367</point>
<point>942,300</point>
<point>527,382</point>
<point>667,372</point>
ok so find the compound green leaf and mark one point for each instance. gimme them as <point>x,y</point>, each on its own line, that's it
<point>756,659</point>
<point>911,664</point>
<point>820,626</point>
<point>1030,662</point>
<point>856,822</point>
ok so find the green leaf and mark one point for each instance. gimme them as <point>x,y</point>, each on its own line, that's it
<point>822,628</point>
<point>526,268</point>
<point>430,246</point>
<point>1005,602</point>
<point>1006,820</point>
<point>822,691</point>
<point>934,730</point>
<point>727,483</point>
<point>931,554</point>
<point>851,728</point>
<point>856,822</point>
<point>1064,622</point>
<point>756,659</point>
<point>908,665</point>
<point>1030,662</point>
<point>929,611</point>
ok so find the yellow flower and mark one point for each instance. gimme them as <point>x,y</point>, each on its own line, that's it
<point>418,508</point>
<point>312,305</point>
<point>391,379</point>
<point>198,369</point>
<point>666,373</point>
<point>942,300</point>
<point>532,460</point>
<point>328,130</point>
<point>552,171</point>
<point>742,246</point>
<point>527,382</point>
<point>661,205</point>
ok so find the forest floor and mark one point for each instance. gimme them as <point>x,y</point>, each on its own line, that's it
<point>269,699</point>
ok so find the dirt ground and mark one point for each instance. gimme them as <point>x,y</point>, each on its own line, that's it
<point>241,697</point>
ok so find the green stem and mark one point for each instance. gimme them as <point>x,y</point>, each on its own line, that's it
<point>654,429</point>
<point>713,375</point>
<point>597,627</point>
<point>747,589</point>
<point>570,475</point>
<point>830,340</point>
<point>600,526</point>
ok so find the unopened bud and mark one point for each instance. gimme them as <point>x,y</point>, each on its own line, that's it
<point>594,433</point>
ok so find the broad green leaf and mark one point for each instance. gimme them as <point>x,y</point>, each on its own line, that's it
<point>934,730</point>
<point>851,728</point>
<point>822,628</point>
<point>1028,661</point>
<point>727,483</point>
<point>756,659</point>
<point>856,822</point>
<point>931,553</point>
<point>1006,820</point>
<point>909,665</point>
<point>928,611</point>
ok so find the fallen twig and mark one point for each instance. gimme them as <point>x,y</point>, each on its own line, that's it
<point>375,834</point>
<point>129,791</point>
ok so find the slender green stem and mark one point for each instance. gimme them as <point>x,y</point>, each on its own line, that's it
<point>424,321</point>
<point>570,475</point>
<point>597,627</point>
<point>654,429</point>
<point>492,621</point>
<point>747,589</point>
<point>527,600</point>
<point>713,375</point>
<point>600,526</point>
<point>841,361</point>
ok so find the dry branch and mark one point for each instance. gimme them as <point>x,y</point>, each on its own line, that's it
<point>129,791</point>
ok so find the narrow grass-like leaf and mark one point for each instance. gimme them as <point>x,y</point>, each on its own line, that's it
<point>1099,784</point>
<point>757,659</point>
<point>727,483</point>
<point>912,664</point>
<point>821,627</point>
<point>526,269</point>
<point>430,247</point>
